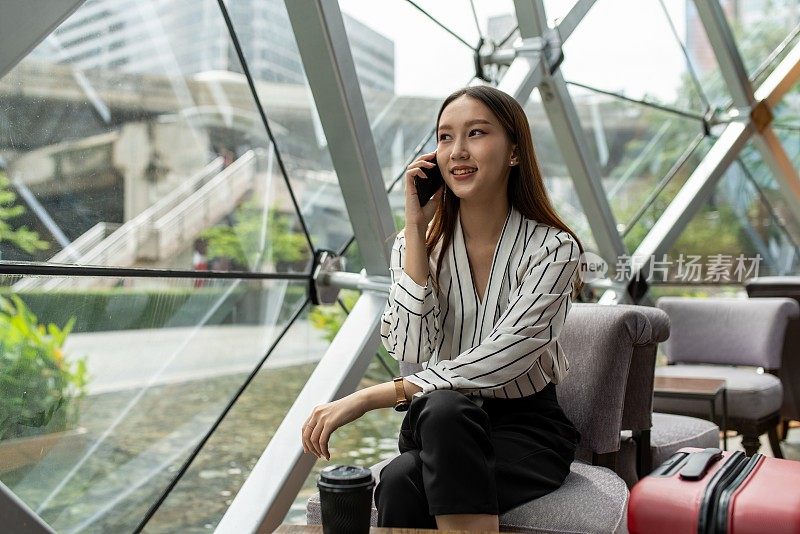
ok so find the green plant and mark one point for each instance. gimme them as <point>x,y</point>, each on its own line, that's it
<point>23,237</point>
<point>39,388</point>
<point>240,242</point>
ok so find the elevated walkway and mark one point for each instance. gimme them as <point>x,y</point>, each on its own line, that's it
<point>162,230</point>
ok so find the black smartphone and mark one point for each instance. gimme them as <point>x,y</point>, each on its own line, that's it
<point>427,187</point>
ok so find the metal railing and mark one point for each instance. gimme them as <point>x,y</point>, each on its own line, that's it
<point>166,227</point>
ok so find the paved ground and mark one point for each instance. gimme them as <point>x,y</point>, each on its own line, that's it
<point>126,359</point>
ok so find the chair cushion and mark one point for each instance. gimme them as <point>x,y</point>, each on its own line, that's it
<point>597,492</point>
<point>668,434</point>
<point>673,432</point>
<point>751,395</point>
<point>592,499</point>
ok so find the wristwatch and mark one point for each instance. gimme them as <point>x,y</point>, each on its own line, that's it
<point>402,403</point>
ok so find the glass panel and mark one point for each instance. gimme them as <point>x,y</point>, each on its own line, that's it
<point>558,180</point>
<point>557,10</point>
<point>200,499</point>
<point>701,59</point>
<point>416,63</point>
<point>138,110</point>
<point>636,228</point>
<point>262,233</point>
<point>735,237</point>
<point>369,439</point>
<point>456,16</point>
<point>764,30</point>
<point>640,58</point>
<point>762,174</point>
<point>108,383</point>
<point>270,49</point>
<point>498,20</point>
<point>759,27</point>
<point>495,18</point>
<point>635,146</point>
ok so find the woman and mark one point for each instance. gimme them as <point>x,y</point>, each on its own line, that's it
<point>484,432</point>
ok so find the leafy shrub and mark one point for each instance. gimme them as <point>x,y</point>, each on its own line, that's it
<point>39,389</point>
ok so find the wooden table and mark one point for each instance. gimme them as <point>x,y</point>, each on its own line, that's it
<point>679,387</point>
<point>317,529</point>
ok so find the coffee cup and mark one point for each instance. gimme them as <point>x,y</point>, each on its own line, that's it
<point>345,495</point>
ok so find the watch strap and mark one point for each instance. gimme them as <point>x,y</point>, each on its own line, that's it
<point>399,391</point>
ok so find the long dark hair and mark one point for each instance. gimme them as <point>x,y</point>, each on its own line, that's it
<point>526,191</point>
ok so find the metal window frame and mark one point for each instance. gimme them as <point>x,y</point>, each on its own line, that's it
<point>268,492</point>
<point>701,183</point>
<point>746,101</point>
<point>23,28</point>
<point>567,129</point>
<point>16,514</point>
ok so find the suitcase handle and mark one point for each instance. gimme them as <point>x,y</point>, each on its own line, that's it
<point>699,462</point>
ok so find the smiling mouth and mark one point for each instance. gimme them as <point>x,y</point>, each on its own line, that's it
<point>461,174</point>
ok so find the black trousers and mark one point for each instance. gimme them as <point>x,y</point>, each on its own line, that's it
<point>459,458</point>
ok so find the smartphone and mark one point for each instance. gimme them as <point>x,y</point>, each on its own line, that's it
<point>427,187</point>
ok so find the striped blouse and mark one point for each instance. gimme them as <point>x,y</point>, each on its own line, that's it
<point>504,345</point>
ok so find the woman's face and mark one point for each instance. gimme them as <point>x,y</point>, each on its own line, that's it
<point>472,141</point>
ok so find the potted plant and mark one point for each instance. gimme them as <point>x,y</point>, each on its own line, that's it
<point>39,388</point>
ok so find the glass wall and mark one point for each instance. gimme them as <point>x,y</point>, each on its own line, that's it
<point>131,139</point>
<point>177,145</point>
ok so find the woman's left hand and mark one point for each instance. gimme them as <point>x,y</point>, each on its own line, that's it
<point>324,419</point>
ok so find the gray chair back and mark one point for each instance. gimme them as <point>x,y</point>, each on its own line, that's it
<point>609,348</point>
<point>637,413</point>
<point>727,331</point>
<point>789,373</point>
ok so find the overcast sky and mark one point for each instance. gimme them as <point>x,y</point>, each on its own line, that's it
<point>621,45</point>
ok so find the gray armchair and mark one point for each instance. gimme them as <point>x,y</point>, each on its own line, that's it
<point>603,343</point>
<point>650,438</point>
<point>728,338</point>
<point>789,372</point>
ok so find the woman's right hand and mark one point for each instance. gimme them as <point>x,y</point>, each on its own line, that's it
<point>417,217</point>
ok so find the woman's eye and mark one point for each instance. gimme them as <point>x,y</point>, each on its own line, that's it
<point>443,136</point>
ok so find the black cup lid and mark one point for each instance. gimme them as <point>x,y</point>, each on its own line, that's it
<point>345,475</point>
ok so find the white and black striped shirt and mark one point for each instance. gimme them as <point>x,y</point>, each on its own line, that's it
<point>504,347</point>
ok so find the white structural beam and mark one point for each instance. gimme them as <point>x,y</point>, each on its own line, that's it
<point>525,72</point>
<point>734,73</point>
<point>23,25</point>
<point>701,183</point>
<point>331,73</point>
<point>266,496</point>
<point>18,517</point>
<point>566,125</point>
<point>693,195</point>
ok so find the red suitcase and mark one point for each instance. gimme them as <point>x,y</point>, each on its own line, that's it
<point>706,491</point>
